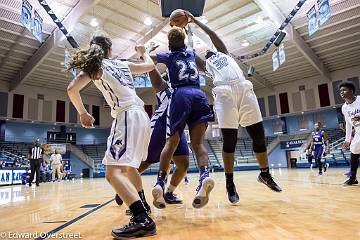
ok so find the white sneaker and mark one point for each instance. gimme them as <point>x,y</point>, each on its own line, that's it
<point>202,196</point>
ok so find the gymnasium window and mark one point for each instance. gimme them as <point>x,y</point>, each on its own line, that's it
<point>324,95</point>
<point>18,106</point>
<point>96,114</point>
<point>284,103</point>
<point>60,111</point>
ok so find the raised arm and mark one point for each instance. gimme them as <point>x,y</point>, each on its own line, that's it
<point>218,43</point>
<point>139,68</point>
<point>78,83</point>
<point>157,81</point>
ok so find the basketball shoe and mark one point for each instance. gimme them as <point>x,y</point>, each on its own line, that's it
<point>139,226</point>
<point>233,196</point>
<point>171,198</point>
<point>266,178</point>
<point>351,181</point>
<point>206,184</point>
<point>158,194</point>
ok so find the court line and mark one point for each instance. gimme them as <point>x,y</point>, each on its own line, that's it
<point>335,184</point>
<point>55,230</point>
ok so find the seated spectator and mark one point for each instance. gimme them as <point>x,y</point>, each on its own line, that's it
<point>25,177</point>
<point>66,169</point>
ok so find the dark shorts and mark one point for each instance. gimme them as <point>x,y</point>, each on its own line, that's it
<point>158,140</point>
<point>318,152</point>
<point>188,106</point>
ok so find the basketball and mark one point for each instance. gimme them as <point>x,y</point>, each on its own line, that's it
<point>178,18</point>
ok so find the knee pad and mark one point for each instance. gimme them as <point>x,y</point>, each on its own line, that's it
<point>229,140</point>
<point>256,132</point>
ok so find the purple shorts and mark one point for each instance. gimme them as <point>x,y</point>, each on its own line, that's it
<point>188,106</point>
<point>158,140</point>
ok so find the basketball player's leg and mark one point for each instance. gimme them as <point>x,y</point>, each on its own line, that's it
<point>206,184</point>
<point>143,167</point>
<point>257,134</point>
<point>165,159</point>
<point>229,144</point>
<point>197,121</point>
<point>318,155</point>
<point>227,114</point>
<point>181,160</point>
<point>122,158</point>
<point>354,164</point>
<point>353,169</point>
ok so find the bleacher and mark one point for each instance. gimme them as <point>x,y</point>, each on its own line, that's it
<point>96,152</point>
<point>244,154</point>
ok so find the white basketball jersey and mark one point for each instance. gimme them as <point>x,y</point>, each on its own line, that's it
<point>351,110</point>
<point>224,69</point>
<point>117,86</point>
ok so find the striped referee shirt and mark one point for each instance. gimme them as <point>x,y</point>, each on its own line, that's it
<point>36,152</point>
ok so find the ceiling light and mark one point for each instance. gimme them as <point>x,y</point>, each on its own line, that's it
<point>94,22</point>
<point>203,19</point>
<point>259,20</point>
<point>245,43</point>
<point>147,21</point>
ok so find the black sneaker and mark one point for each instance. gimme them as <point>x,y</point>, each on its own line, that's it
<point>140,226</point>
<point>351,181</point>
<point>233,196</point>
<point>118,200</point>
<point>171,198</point>
<point>267,179</point>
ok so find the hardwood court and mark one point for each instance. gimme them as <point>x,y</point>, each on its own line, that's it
<point>310,207</point>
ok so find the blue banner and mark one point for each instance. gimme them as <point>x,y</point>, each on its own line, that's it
<point>292,144</point>
<point>26,15</point>
<point>324,11</point>
<point>37,28</point>
<point>275,60</point>
<point>282,56</point>
<point>313,23</point>
<point>66,61</point>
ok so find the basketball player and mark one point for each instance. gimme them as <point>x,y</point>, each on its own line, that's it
<point>351,112</point>
<point>158,139</point>
<point>130,132</point>
<point>188,106</point>
<point>319,144</point>
<point>235,104</point>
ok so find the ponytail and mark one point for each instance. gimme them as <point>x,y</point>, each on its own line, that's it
<point>90,60</point>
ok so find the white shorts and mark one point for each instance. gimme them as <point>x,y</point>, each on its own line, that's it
<point>235,105</point>
<point>355,144</point>
<point>129,139</point>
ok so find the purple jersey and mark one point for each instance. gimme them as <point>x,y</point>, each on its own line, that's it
<point>318,138</point>
<point>183,70</point>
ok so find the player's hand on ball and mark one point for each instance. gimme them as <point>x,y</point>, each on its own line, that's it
<point>190,16</point>
<point>346,145</point>
<point>87,121</point>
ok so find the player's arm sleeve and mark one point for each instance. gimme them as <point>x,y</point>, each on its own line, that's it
<point>348,128</point>
<point>163,58</point>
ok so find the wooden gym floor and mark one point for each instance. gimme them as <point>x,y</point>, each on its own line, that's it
<point>310,207</point>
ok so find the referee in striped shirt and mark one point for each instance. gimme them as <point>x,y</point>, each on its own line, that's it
<point>36,158</point>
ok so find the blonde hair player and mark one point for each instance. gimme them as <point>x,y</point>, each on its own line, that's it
<point>235,104</point>
<point>130,131</point>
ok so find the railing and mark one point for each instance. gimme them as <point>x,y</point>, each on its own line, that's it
<point>272,145</point>
<point>80,154</point>
<point>337,143</point>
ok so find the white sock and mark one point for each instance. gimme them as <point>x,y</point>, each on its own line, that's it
<point>171,188</point>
